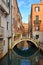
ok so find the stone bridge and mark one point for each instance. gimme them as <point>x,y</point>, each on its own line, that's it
<point>34,41</point>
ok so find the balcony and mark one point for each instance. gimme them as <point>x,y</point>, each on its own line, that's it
<point>3,7</point>
<point>37,21</point>
<point>1,32</point>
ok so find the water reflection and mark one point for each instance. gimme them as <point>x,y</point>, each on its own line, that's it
<point>25,62</point>
<point>13,59</point>
<point>25,49</point>
<point>31,56</point>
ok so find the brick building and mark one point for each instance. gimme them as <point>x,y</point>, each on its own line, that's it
<point>18,28</point>
<point>37,21</point>
<point>25,29</point>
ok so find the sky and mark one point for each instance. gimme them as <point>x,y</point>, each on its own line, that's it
<point>25,8</point>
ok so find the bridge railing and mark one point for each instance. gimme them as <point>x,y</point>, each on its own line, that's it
<point>16,41</point>
<point>33,40</point>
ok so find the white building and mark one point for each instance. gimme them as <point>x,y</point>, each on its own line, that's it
<point>6,19</point>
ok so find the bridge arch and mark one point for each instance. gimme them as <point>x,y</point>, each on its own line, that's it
<point>35,42</point>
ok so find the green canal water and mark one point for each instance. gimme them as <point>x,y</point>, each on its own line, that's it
<point>31,56</point>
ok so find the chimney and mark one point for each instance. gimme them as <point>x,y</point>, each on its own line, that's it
<point>41,1</point>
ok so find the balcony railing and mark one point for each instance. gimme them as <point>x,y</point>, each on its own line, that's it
<point>37,21</point>
<point>1,32</point>
<point>3,7</point>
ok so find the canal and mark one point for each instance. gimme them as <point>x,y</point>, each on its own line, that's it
<point>25,55</point>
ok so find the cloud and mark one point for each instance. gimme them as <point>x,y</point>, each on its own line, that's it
<point>21,3</point>
<point>27,6</point>
<point>24,3</point>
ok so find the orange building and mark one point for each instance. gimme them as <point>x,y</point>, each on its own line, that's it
<point>25,28</point>
<point>37,21</point>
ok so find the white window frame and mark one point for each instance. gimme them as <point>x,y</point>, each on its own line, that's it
<point>37,9</point>
<point>37,28</point>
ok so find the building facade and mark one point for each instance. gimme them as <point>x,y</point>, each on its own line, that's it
<point>17,20</point>
<point>25,29</point>
<point>29,26</point>
<point>41,1</point>
<point>37,21</point>
<point>5,26</point>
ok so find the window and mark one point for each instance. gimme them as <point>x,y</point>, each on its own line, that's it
<point>8,3</point>
<point>37,9</point>
<point>37,19</point>
<point>4,1</point>
<point>13,20</point>
<point>7,25</point>
<point>37,36</point>
<point>19,18</point>
<point>0,20</point>
<point>37,28</point>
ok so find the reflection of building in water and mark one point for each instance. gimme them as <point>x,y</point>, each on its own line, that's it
<point>25,47</point>
<point>20,45</point>
<point>25,62</point>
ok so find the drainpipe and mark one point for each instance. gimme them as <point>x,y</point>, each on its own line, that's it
<point>11,20</point>
<point>10,11</point>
